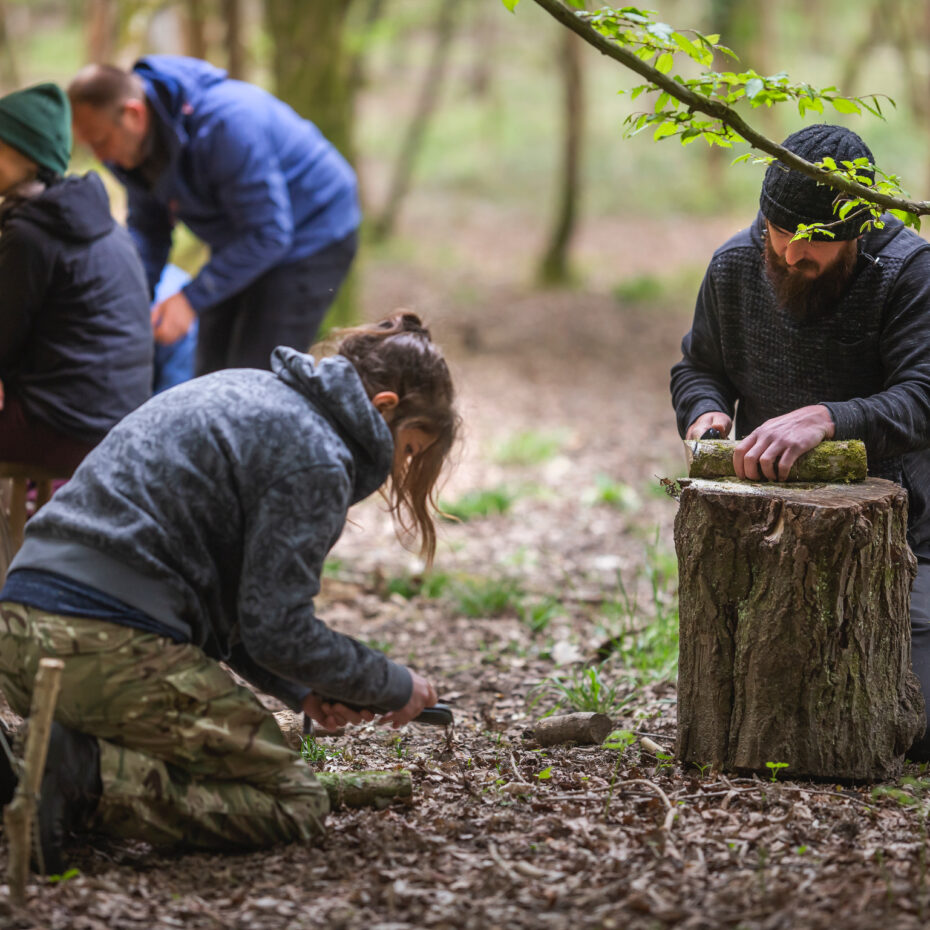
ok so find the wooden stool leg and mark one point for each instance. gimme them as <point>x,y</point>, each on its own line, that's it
<point>18,511</point>
<point>43,492</point>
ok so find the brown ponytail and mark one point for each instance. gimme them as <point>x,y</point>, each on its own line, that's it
<point>399,355</point>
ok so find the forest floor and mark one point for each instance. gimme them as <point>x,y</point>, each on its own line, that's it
<point>558,587</point>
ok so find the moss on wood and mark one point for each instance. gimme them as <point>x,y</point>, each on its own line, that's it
<point>835,461</point>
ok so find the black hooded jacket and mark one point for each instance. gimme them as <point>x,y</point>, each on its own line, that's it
<point>75,337</point>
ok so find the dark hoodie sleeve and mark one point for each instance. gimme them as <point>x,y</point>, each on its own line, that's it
<point>26,268</point>
<point>290,531</point>
<point>897,419</point>
<point>699,382</point>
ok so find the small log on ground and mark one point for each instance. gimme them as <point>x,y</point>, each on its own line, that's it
<point>842,460</point>
<point>365,789</point>
<point>795,630</point>
<point>582,728</point>
<point>19,815</point>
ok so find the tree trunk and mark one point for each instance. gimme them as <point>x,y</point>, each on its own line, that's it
<point>235,50</point>
<point>795,629</point>
<point>9,73</point>
<point>100,30</point>
<point>195,28</point>
<point>416,132</point>
<point>554,268</point>
<point>311,73</point>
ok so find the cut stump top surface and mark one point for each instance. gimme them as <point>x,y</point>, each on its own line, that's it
<point>814,494</point>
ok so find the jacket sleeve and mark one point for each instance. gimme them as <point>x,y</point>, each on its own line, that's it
<point>26,269</point>
<point>897,419</point>
<point>253,196</point>
<point>699,382</point>
<point>287,691</point>
<point>151,226</point>
<point>289,532</point>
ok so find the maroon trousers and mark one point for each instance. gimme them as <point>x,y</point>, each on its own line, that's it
<point>29,441</point>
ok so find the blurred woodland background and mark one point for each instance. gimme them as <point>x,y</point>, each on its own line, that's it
<point>503,130</point>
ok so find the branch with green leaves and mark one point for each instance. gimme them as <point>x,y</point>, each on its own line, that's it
<point>652,49</point>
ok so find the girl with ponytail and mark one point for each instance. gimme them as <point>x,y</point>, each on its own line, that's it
<point>195,534</point>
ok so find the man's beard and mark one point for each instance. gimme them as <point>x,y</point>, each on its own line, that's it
<point>806,299</point>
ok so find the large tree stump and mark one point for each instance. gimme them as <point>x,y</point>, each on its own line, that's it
<point>795,629</point>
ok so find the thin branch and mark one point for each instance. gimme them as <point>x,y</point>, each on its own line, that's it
<point>714,108</point>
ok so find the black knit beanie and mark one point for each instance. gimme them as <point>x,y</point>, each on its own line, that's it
<point>789,197</point>
<point>37,122</point>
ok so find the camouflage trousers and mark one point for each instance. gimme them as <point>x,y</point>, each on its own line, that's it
<point>187,756</point>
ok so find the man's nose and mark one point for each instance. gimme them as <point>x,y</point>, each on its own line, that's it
<point>797,251</point>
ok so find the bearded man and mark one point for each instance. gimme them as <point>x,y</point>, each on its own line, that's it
<point>820,339</point>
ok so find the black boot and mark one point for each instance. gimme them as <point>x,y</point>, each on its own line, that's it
<point>8,777</point>
<point>70,791</point>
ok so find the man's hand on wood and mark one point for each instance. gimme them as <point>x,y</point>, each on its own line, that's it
<point>172,318</point>
<point>712,420</point>
<point>771,450</point>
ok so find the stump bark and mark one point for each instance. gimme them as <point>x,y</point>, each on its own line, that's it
<point>795,629</point>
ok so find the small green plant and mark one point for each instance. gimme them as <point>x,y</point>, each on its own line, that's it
<point>619,741</point>
<point>545,773</point>
<point>614,494</point>
<point>333,568</point>
<point>775,768</point>
<point>397,744</point>
<point>64,877</point>
<point>585,690</point>
<point>431,585</point>
<point>486,597</point>
<point>642,288</point>
<point>664,761</point>
<point>909,792</point>
<point>316,754</point>
<point>481,503</point>
<point>379,645</point>
<point>539,615</point>
<point>530,447</point>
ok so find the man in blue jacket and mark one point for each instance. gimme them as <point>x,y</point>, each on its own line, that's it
<point>271,197</point>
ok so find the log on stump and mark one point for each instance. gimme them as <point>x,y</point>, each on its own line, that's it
<point>585,728</point>
<point>795,630</point>
<point>365,789</point>
<point>833,460</point>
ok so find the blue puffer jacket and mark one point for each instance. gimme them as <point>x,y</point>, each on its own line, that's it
<point>211,509</point>
<point>256,182</point>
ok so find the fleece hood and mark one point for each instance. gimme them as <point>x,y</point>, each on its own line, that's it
<point>75,209</point>
<point>336,390</point>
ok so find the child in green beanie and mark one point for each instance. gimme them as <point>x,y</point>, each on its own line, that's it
<point>75,339</point>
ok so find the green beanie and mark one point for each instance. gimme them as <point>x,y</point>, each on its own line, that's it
<point>37,122</point>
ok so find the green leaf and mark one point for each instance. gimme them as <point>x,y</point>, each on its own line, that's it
<point>688,47</point>
<point>844,105</point>
<point>666,129</point>
<point>510,4</point>
<point>545,773</point>
<point>753,86</point>
<point>664,62</point>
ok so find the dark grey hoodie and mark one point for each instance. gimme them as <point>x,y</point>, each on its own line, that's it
<point>75,335</point>
<point>211,509</point>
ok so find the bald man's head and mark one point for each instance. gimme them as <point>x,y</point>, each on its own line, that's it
<point>110,113</point>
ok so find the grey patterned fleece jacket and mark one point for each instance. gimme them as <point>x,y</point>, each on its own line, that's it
<point>868,361</point>
<point>211,509</point>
